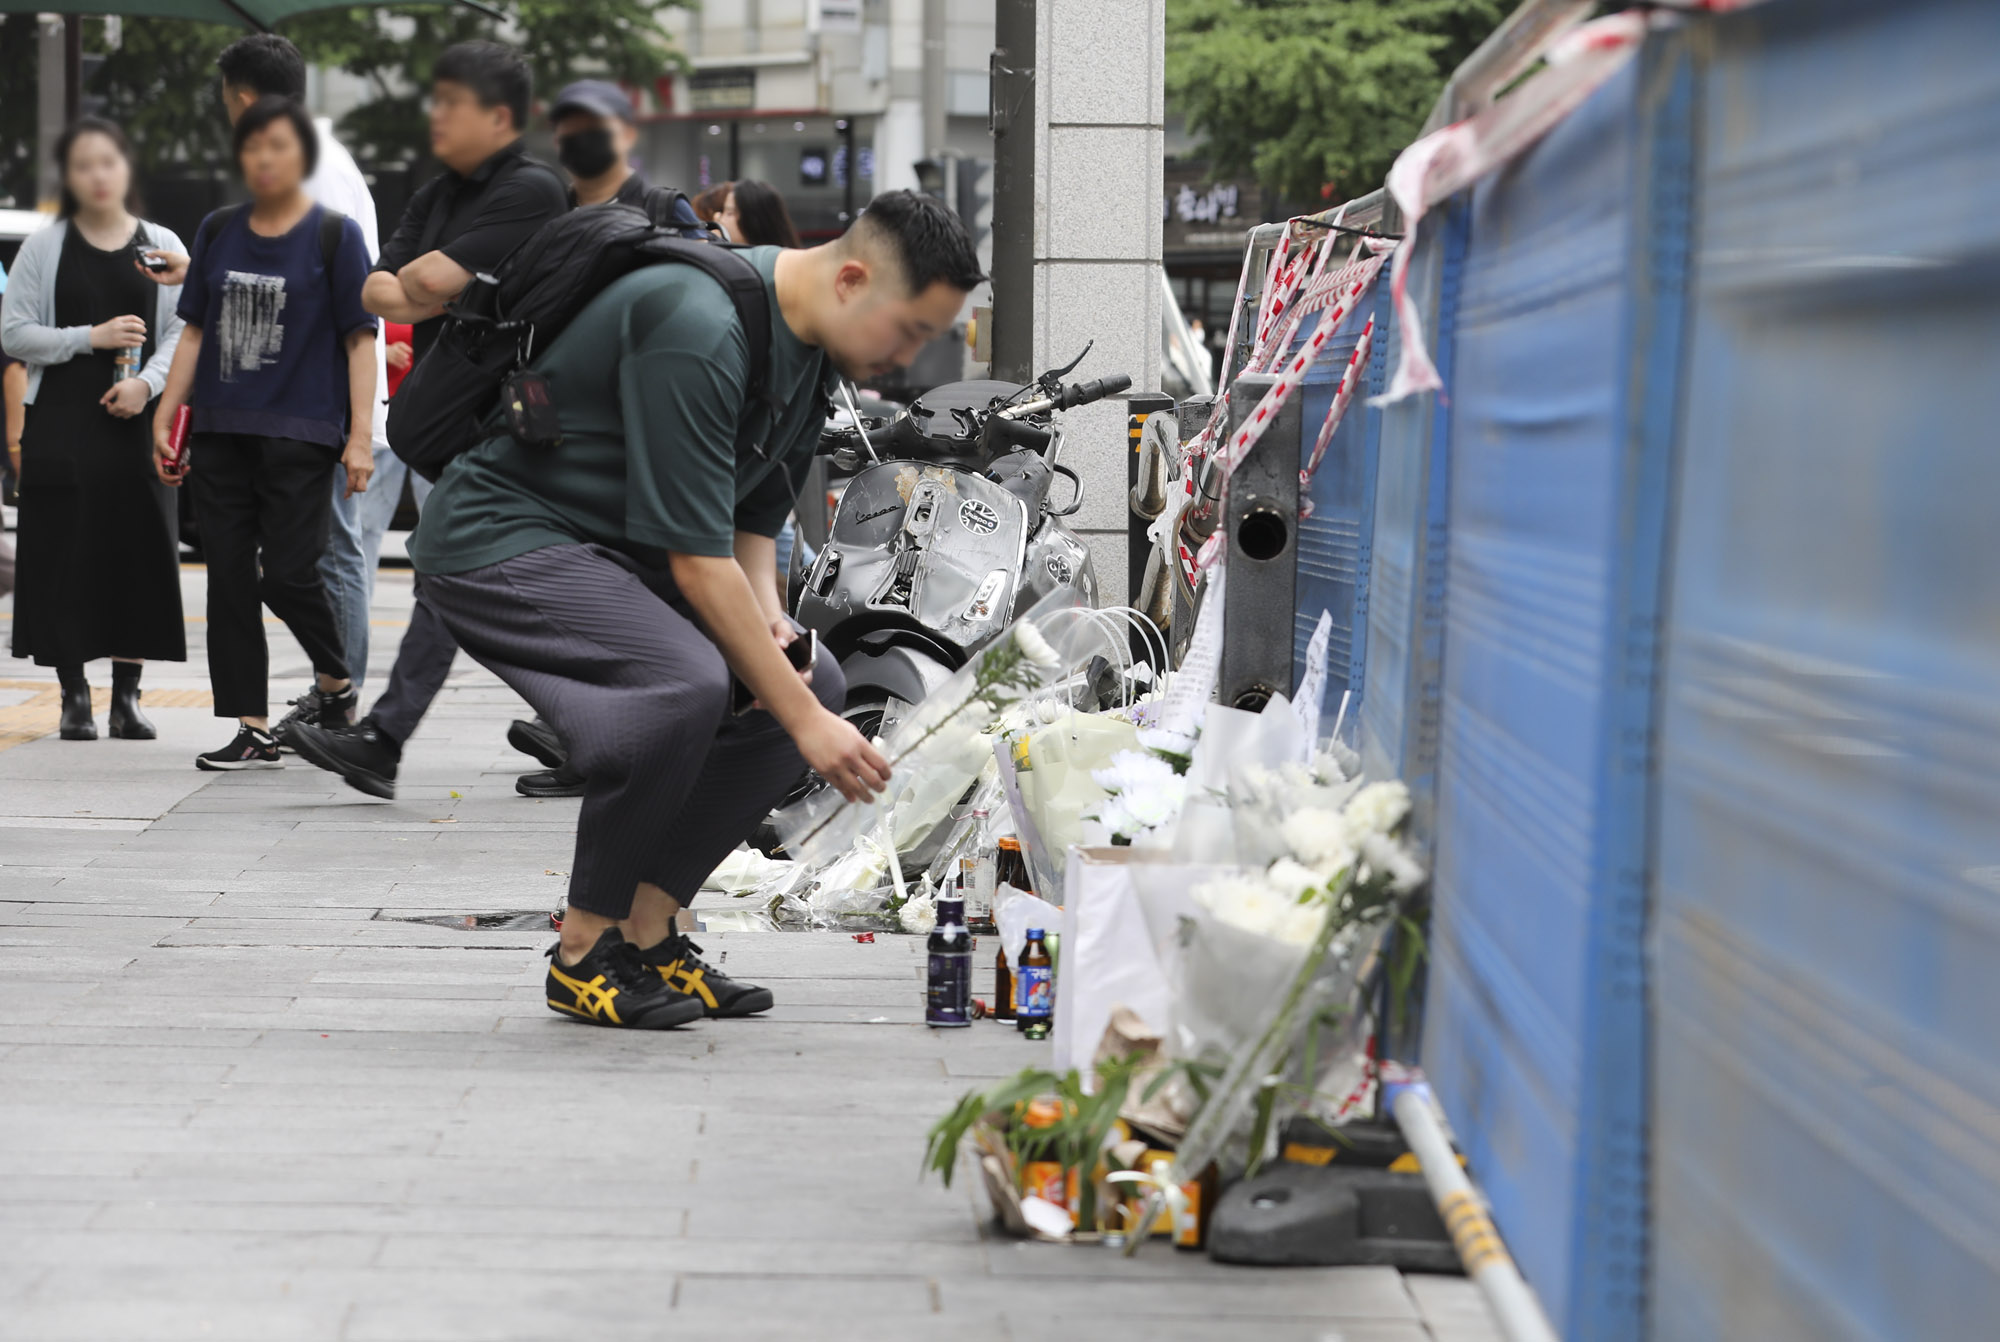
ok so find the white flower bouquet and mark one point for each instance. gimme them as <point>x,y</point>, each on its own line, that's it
<point>940,748</point>
<point>1277,953</point>
<point>1145,793</point>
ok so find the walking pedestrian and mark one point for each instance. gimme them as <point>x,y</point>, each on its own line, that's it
<point>619,594</point>
<point>753,214</point>
<point>99,561</point>
<point>490,198</point>
<point>278,361</point>
<point>260,66</point>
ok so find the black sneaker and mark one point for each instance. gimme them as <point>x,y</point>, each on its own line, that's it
<point>252,749</point>
<point>559,782</point>
<point>317,708</point>
<point>361,754</point>
<point>679,963</point>
<point>612,986</point>
<point>539,739</point>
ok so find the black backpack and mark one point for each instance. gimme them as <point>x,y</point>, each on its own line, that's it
<point>453,398</point>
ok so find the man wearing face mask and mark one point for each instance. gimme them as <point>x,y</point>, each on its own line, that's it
<point>596,130</point>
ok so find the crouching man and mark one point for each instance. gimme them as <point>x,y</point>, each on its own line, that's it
<point>617,582</point>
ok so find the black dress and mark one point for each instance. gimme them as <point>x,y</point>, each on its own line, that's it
<point>99,549</point>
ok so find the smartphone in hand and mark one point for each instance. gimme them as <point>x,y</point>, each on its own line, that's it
<point>801,652</point>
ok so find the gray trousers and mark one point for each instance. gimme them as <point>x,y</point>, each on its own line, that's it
<point>423,660</point>
<point>607,654</point>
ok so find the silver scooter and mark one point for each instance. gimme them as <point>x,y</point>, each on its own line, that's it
<point>944,533</point>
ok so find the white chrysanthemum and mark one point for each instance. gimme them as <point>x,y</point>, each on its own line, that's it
<point>918,915</point>
<point>1159,804</point>
<point>1376,809</point>
<point>1295,775</point>
<point>1317,837</point>
<point>1034,647</point>
<point>1254,905</point>
<point>1113,815</point>
<point>1131,770</point>
<point>1385,856</point>
<point>1166,741</point>
<point>1296,878</point>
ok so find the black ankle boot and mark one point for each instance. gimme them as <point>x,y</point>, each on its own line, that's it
<point>126,721</point>
<point>77,724</point>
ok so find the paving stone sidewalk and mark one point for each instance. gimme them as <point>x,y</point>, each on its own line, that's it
<point>244,1097</point>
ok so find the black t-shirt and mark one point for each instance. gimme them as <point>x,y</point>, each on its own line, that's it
<point>476,220</point>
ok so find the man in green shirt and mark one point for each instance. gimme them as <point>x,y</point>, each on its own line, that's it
<point>618,581</point>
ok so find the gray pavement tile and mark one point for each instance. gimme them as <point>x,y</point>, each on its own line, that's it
<point>805,1297</point>
<point>92,1317</point>
<point>1361,1293</point>
<point>1200,1325</point>
<point>240,1104</point>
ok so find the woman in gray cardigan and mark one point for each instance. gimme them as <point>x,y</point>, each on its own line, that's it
<point>98,571</point>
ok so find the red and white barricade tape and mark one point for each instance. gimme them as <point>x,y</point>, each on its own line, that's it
<point>1447,161</point>
<point>1336,412</point>
<point>1349,285</point>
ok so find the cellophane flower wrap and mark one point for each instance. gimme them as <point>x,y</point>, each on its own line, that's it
<point>1269,969</point>
<point>940,748</point>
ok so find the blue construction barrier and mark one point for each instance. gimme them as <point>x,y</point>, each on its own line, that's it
<point>1682,620</point>
<point>1332,539</point>
<point>1826,904</point>
<point>1405,611</point>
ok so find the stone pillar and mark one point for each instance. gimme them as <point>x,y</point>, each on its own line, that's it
<point>1099,108</point>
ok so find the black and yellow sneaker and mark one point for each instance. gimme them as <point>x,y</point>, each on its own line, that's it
<point>612,986</point>
<point>680,965</point>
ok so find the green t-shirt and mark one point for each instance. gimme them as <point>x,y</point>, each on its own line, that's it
<point>648,383</point>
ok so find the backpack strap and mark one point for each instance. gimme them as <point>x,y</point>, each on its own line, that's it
<point>744,284</point>
<point>662,205</point>
<point>330,222</point>
<point>211,227</point>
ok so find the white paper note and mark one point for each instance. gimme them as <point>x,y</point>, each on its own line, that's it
<point>1312,688</point>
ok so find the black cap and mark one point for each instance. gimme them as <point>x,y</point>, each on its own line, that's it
<point>596,96</point>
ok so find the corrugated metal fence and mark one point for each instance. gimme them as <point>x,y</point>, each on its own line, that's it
<point>1680,612</point>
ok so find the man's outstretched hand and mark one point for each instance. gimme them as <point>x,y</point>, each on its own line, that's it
<point>840,754</point>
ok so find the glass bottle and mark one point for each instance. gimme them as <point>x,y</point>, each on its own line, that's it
<point>948,995</point>
<point>1035,986</point>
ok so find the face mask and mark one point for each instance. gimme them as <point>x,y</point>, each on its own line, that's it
<point>588,153</point>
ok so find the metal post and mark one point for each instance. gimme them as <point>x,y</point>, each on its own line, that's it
<point>1011,117</point>
<point>846,128</point>
<point>72,66</point>
<point>934,79</point>
<point>1486,1259</point>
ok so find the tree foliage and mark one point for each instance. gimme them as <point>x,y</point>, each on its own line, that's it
<point>160,83</point>
<point>1315,97</point>
<point>395,49</point>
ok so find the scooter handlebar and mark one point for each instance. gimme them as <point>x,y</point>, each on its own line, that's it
<point>1083,393</point>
